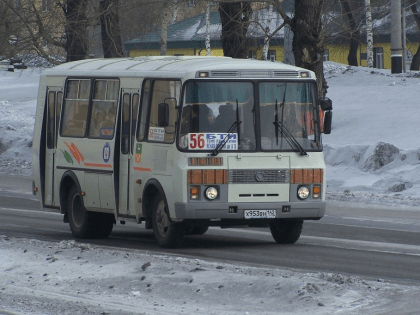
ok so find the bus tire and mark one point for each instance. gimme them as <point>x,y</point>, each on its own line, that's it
<point>103,224</point>
<point>168,234</point>
<point>197,230</point>
<point>286,231</point>
<point>81,222</point>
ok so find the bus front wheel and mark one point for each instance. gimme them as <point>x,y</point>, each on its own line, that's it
<point>286,231</point>
<point>168,234</point>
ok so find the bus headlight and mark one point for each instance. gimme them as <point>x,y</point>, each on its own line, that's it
<point>211,193</point>
<point>303,192</point>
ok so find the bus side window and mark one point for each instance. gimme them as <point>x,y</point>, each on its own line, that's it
<point>50,119</point>
<point>104,109</point>
<point>136,104</point>
<point>75,108</point>
<point>126,121</point>
<point>164,91</point>
<point>59,101</point>
<point>143,114</point>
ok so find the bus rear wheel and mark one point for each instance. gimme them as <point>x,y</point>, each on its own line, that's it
<point>80,220</point>
<point>168,234</point>
<point>86,224</point>
<point>286,231</point>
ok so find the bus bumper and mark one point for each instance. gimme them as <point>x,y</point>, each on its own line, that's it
<point>208,210</point>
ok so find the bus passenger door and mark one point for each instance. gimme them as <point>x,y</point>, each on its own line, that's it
<point>129,111</point>
<point>53,108</point>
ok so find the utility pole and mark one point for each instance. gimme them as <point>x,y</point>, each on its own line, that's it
<point>208,49</point>
<point>396,42</point>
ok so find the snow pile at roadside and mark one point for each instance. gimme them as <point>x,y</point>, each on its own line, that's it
<point>18,93</point>
<point>373,152</point>
<point>75,278</point>
<point>378,173</point>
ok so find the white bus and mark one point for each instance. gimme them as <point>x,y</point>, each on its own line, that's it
<point>181,144</point>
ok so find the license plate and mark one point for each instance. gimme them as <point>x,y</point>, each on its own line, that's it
<point>260,214</point>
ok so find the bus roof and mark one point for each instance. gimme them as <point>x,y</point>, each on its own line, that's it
<point>178,66</point>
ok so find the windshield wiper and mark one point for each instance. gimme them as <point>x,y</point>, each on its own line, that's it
<point>276,115</point>
<point>222,144</point>
<point>289,137</point>
<point>283,130</point>
<point>234,126</point>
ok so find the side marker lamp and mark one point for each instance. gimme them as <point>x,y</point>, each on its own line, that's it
<point>316,192</point>
<point>194,191</point>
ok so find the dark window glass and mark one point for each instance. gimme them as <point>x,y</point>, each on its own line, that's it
<point>212,110</point>
<point>104,109</point>
<point>126,122</point>
<point>164,91</point>
<point>75,108</point>
<point>144,107</point>
<point>50,119</point>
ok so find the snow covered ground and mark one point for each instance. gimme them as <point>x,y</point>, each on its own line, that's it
<point>373,152</point>
<point>372,155</point>
<point>75,278</point>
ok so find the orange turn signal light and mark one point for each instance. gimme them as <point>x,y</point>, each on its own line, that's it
<point>194,191</point>
<point>316,191</point>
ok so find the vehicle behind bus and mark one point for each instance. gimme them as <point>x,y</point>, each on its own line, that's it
<point>182,144</point>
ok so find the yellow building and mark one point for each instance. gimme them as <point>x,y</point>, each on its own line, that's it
<point>188,38</point>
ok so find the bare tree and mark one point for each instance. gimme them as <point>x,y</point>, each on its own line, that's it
<point>110,29</point>
<point>208,49</point>
<point>267,32</point>
<point>308,39</point>
<point>26,27</point>
<point>415,9</point>
<point>166,18</point>
<point>76,29</point>
<point>354,33</point>
<point>369,34</point>
<point>235,18</point>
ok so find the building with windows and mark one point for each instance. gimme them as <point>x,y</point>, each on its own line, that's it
<point>188,38</point>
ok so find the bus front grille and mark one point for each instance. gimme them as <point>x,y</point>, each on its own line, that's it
<point>245,176</point>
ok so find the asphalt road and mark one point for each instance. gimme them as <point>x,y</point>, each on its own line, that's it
<point>373,242</point>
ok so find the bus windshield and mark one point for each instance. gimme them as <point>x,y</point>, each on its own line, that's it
<point>217,111</point>
<point>221,116</point>
<point>287,116</point>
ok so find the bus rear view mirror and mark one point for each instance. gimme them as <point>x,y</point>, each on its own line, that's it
<point>163,114</point>
<point>326,103</point>
<point>327,122</point>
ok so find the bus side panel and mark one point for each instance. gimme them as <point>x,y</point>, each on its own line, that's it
<point>94,158</point>
<point>38,144</point>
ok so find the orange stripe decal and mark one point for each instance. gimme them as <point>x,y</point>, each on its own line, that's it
<point>73,152</point>
<point>76,149</point>
<point>98,165</point>
<point>142,169</point>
